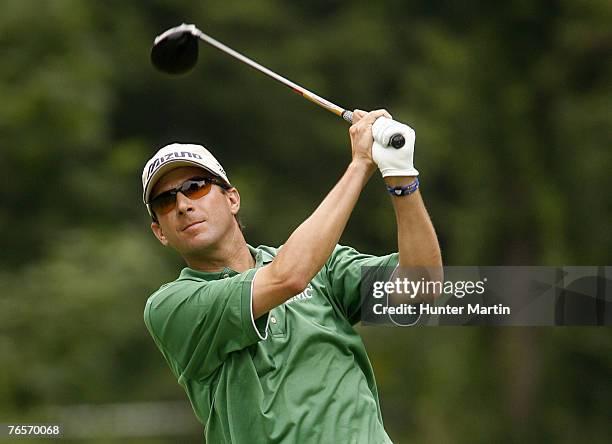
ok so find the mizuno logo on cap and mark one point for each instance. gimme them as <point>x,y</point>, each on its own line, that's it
<point>163,159</point>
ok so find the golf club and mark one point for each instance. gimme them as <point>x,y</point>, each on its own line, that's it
<point>176,51</point>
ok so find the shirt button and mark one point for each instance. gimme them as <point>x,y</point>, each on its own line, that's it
<point>225,275</point>
<point>273,319</point>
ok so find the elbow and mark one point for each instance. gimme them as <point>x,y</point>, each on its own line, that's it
<point>295,284</point>
<point>432,279</point>
<point>436,277</point>
<point>435,259</point>
<point>290,280</point>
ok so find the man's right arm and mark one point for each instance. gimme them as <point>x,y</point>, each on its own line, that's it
<point>311,244</point>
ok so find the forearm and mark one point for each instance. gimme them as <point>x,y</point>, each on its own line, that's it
<point>416,237</point>
<point>419,251</point>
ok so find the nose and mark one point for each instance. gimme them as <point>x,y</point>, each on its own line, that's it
<point>184,205</point>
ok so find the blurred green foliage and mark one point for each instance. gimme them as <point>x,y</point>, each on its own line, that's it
<point>511,103</point>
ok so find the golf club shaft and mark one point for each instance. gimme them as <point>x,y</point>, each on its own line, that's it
<point>314,98</point>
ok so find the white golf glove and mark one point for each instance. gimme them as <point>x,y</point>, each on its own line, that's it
<point>393,161</point>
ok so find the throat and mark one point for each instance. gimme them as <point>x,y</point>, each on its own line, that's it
<point>233,254</point>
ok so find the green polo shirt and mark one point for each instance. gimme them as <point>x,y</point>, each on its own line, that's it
<point>299,374</point>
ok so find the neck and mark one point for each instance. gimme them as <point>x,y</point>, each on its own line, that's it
<point>231,253</point>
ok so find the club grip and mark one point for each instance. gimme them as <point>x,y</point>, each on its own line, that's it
<point>396,140</point>
<point>347,115</point>
<point>390,133</point>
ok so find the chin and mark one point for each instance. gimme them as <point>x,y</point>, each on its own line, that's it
<point>199,242</point>
<point>206,238</point>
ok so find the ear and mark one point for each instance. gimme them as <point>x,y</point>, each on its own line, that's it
<point>233,197</point>
<point>159,233</point>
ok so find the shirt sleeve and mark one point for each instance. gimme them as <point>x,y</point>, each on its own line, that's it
<point>344,269</point>
<point>196,325</point>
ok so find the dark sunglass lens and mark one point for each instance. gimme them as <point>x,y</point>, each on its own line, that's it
<point>197,189</point>
<point>164,203</point>
<point>193,189</point>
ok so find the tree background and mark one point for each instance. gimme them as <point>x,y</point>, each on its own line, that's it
<point>511,105</point>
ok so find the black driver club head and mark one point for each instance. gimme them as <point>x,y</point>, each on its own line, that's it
<point>176,50</point>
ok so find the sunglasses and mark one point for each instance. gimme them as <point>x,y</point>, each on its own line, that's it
<point>193,189</point>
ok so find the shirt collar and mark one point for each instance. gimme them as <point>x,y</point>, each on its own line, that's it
<point>261,257</point>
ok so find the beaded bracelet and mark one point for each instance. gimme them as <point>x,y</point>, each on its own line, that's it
<point>399,190</point>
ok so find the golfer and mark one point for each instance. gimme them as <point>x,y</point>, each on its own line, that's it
<point>262,339</point>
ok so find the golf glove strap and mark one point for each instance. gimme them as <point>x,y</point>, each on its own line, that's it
<point>392,161</point>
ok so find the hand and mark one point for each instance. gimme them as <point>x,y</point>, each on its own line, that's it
<point>391,161</point>
<point>361,135</point>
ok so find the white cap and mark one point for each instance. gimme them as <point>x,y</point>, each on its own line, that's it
<point>177,155</point>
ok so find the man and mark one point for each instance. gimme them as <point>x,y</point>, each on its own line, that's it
<point>261,339</point>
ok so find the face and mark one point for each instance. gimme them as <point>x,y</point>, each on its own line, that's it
<point>195,227</point>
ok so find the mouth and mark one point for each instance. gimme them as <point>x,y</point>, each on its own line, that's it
<point>192,225</point>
